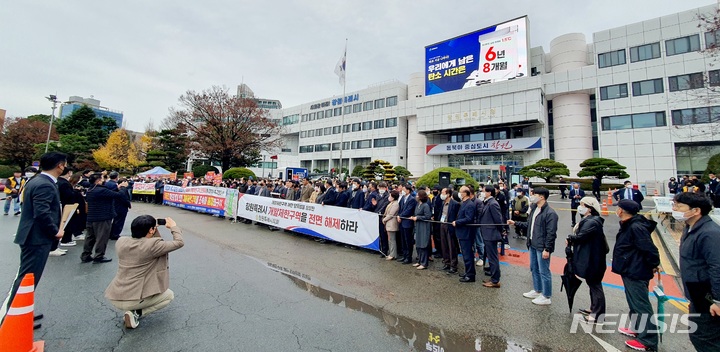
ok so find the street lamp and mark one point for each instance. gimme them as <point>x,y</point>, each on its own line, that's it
<point>53,99</point>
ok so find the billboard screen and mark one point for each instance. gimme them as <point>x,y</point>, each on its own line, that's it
<point>496,53</point>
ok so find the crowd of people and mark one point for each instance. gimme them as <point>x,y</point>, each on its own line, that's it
<point>419,225</point>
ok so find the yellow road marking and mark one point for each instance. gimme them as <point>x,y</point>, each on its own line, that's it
<point>665,262</point>
<point>680,305</point>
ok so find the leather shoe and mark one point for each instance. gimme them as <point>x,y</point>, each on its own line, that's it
<point>446,268</point>
<point>38,317</point>
<point>467,279</point>
<point>86,260</point>
<point>102,260</point>
<point>452,271</point>
<point>406,262</point>
<point>487,272</point>
<point>491,284</point>
<point>437,256</point>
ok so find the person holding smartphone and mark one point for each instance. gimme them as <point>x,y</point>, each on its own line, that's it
<point>141,285</point>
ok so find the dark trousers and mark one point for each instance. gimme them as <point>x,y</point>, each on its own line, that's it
<point>716,200</point>
<point>383,238</point>
<point>491,252</point>
<point>423,254</point>
<point>563,195</point>
<point>466,248</point>
<point>98,234</point>
<point>32,260</point>
<point>520,231</point>
<point>596,194</point>
<point>436,239</point>
<point>641,311</point>
<point>450,248</point>
<point>408,243</point>
<point>597,298</point>
<point>118,224</point>
<point>399,241</point>
<point>707,336</point>
<point>55,244</point>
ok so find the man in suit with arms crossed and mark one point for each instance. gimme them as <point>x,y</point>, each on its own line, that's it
<point>39,222</point>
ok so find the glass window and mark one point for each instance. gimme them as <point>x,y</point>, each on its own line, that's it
<point>322,147</point>
<point>685,82</point>
<point>328,113</point>
<point>364,144</point>
<point>391,101</point>
<point>356,127</point>
<point>385,142</point>
<point>715,114</point>
<point>348,110</point>
<point>306,149</point>
<point>320,115</point>
<point>712,39</point>
<point>379,103</point>
<point>368,105</point>
<point>391,122</point>
<point>714,78</point>
<point>337,111</point>
<point>651,86</point>
<point>612,58</point>
<point>346,128</point>
<point>614,92</point>
<point>682,45</point>
<point>623,122</point>
<point>645,52</point>
<point>696,115</point>
<point>327,131</point>
<point>311,133</point>
<point>319,132</point>
<point>304,117</point>
<point>303,134</point>
<point>367,125</point>
<point>336,146</point>
<point>379,124</point>
<point>336,129</point>
<point>357,107</point>
<point>353,145</point>
<point>346,146</point>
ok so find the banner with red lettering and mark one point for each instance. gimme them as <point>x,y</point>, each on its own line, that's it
<point>350,226</point>
<point>212,200</point>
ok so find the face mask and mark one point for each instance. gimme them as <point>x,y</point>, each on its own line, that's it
<point>364,189</point>
<point>317,189</point>
<point>382,191</point>
<point>679,216</point>
<point>483,195</point>
<point>354,186</point>
<point>521,196</point>
<point>534,199</point>
<point>403,193</point>
<point>443,196</point>
<point>628,186</point>
<point>582,210</point>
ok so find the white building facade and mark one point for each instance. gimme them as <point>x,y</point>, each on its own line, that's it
<point>644,95</point>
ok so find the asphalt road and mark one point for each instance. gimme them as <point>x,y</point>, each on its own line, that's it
<point>240,287</point>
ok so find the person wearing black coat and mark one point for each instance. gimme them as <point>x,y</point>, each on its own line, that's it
<point>437,207</point>
<point>379,203</point>
<point>67,196</point>
<point>408,203</point>
<point>491,235</point>
<point>101,211</point>
<point>121,210</point>
<point>590,248</point>
<point>330,197</point>
<point>636,259</point>
<point>448,214</point>
<point>77,223</point>
<point>343,196</point>
<point>466,233</point>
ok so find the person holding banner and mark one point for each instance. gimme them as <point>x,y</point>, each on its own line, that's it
<point>423,213</point>
<point>331,194</point>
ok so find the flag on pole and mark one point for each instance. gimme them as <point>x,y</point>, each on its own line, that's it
<point>340,68</point>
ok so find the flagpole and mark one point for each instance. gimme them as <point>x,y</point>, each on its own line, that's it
<point>342,123</point>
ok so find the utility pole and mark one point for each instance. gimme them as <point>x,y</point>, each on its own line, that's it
<point>53,99</point>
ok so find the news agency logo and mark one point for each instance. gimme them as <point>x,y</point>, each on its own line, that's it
<point>672,323</point>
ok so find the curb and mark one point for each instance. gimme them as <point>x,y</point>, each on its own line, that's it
<point>667,240</point>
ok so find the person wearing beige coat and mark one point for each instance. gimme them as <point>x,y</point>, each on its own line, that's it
<point>141,285</point>
<point>391,226</point>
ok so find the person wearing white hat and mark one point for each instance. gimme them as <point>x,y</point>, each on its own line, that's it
<point>590,248</point>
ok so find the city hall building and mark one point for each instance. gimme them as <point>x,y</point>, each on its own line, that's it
<point>644,95</point>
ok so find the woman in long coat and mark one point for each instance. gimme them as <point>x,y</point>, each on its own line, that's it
<point>423,213</point>
<point>589,251</point>
<point>391,226</point>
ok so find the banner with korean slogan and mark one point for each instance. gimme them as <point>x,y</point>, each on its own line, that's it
<point>212,200</point>
<point>350,226</point>
<point>143,188</point>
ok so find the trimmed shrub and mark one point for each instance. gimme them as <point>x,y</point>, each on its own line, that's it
<point>433,177</point>
<point>201,170</point>
<point>238,172</point>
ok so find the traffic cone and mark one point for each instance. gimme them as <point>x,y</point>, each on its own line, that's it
<point>16,332</point>
<point>610,193</point>
<point>605,210</point>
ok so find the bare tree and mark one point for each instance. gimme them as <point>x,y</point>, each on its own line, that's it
<point>226,128</point>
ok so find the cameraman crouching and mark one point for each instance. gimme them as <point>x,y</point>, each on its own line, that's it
<point>141,284</point>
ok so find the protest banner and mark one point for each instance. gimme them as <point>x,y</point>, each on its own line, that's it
<point>212,200</point>
<point>350,226</point>
<point>143,188</point>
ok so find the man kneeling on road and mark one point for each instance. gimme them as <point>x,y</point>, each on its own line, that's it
<point>141,284</point>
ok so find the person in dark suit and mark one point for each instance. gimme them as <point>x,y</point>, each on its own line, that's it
<point>39,221</point>
<point>330,197</point>
<point>357,197</point>
<point>407,209</point>
<point>562,187</point>
<point>448,214</point>
<point>343,196</point>
<point>121,210</point>
<point>379,203</point>
<point>575,195</point>
<point>491,214</point>
<point>437,206</point>
<point>629,193</point>
<point>596,187</point>
<point>466,234</point>
<point>101,212</point>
